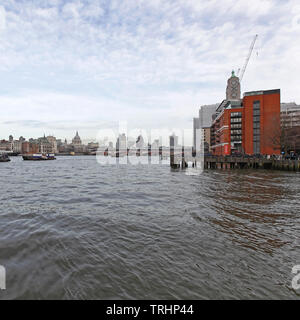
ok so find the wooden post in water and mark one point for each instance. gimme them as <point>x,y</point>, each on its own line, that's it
<point>172,159</point>
<point>149,153</point>
<point>160,152</point>
<point>173,165</point>
<point>183,164</point>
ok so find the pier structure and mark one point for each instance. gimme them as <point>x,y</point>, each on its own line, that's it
<point>232,162</point>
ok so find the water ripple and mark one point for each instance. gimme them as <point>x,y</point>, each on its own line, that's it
<point>71,229</point>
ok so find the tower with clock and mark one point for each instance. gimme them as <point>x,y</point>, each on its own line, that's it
<point>233,91</point>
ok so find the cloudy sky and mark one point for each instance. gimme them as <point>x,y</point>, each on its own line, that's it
<point>85,64</point>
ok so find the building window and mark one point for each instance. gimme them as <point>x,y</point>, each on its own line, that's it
<point>236,120</point>
<point>256,132</point>
<point>236,132</point>
<point>235,114</point>
<point>256,127</point>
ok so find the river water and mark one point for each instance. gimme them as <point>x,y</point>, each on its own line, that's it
<point>72,229</point>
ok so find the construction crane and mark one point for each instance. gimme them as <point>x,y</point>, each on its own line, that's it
<point>248,58</point>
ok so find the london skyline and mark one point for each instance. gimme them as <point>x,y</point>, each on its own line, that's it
<point>152,64</point>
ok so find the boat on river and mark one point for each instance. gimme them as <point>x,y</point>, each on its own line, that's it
<point>39,156</point>
<point>4,157</point>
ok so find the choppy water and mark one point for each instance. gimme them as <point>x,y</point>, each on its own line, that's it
<point>71,229</point>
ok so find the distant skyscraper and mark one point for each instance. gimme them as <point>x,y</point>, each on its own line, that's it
<point>205,115</point>
<point>121,142</point>
<point>110,145</point>
<point>204,121</point>
<point>174,140</point>
<point>196,126</point>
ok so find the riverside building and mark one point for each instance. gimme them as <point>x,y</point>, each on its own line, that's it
<point>290,115</point>
<point>30,147</point>
<point>250,125</point>
<point>290,127</point>
<point>203,123</point>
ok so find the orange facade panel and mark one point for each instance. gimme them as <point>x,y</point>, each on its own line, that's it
<point>262,123</point>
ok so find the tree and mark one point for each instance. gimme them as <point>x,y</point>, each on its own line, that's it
<point>276,135</point>
<point>293,136</point>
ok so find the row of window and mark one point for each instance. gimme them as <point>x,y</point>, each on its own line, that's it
<point>236,138</point>
<point>256,105</point>
<point>256,127</point>
<point>256,132</point>
<point>236,120</point>
<point>256,148</point>
<point>235,114</point>
<point>256,138</point>
<point>256,118</point>
<point>236,125</point>
<point>236,132</point>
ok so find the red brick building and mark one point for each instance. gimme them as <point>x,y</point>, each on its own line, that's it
<point>262,127</point>
<point>247,126</point>
<point>30,148</point>
<point>227,127</point>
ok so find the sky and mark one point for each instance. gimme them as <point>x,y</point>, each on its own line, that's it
<point>85,65</point>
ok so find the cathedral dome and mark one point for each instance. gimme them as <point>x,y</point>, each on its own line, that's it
<point>76,140</point>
